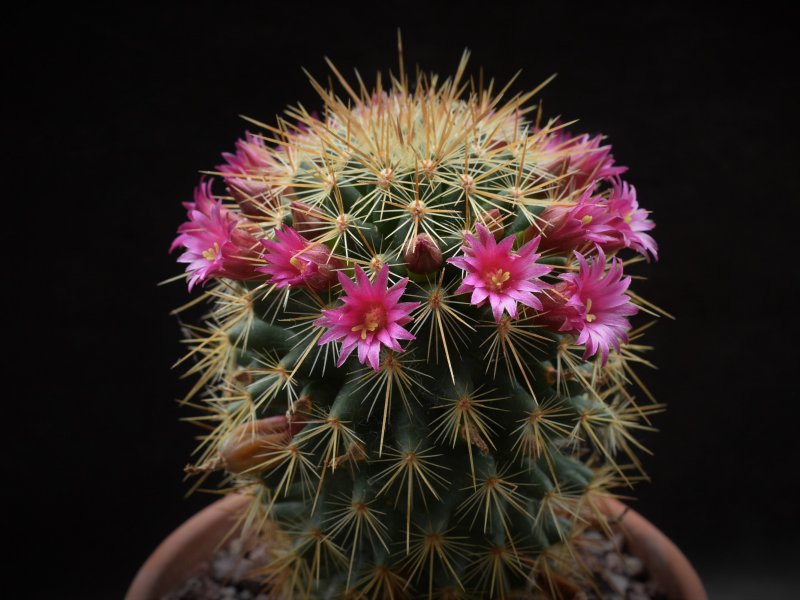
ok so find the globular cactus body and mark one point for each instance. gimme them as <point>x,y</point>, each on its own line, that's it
<point>418,349</point>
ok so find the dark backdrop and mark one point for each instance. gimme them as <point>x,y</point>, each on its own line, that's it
<point>116,111</point>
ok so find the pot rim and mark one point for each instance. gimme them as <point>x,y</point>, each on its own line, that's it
<point>193,542</point>
<point>664,561</point>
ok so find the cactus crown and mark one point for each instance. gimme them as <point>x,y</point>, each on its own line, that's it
<point>417,354</point>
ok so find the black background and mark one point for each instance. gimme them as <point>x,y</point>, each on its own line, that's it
<point>116,111</point>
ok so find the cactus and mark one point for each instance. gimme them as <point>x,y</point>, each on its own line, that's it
<point>417,354</point>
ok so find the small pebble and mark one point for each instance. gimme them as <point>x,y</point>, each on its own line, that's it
<point>615,562</point>
<point>637,591</point>
<point>618,583</point>
<point>617,575</point>
<point>633,566</point>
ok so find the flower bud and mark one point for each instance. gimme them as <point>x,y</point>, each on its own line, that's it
<point>251,175</point>
<point>550,221</point>
<point>254,199</point>
<point>299,414</point>
<point>554,301</point>
<point>423,255</point>
<point>306,219</point>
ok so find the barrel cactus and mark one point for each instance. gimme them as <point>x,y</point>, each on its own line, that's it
<point>417,354</point>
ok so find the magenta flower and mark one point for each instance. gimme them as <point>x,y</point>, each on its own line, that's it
<point>249,174</point>
<point>591,305</point>
<point>583,156</point>
<point>629,221</point>
<point>497,273</point>
<point>292,260</point>
<point>611,224</point>
<point>371,317</point>
<point>217,241</point>
<point>569,227</point>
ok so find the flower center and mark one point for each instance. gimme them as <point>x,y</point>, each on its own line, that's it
<point>374,319</point>
<point>497,279</point>
<point>586,220</point>
<point>629,218</point>
<point>589,316</point>
<point>297,264</point>
<point>212,252</point>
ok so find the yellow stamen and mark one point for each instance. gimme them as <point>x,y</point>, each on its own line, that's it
<point>372,320</point>
<point>589,316</point>
<point>212,252</point>
<point>498,279</point>
<point>586,220</point>
<point>629,218</point>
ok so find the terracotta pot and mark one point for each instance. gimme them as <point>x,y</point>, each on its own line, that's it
<point>197,539</point>
<point>194,542</point>
<point>662,559</point>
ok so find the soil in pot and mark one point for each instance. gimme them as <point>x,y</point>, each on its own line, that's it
<point>227,576</point>
<point>617,574</point>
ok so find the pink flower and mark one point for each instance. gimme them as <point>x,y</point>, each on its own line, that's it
<point>292,260</point>
<point>369,318</point>
<point>249,174</point>
<point>217,241</point>
<point>582,155</point>
<point>497,273</point>
<point>629,221</point>
<point>611,224</point>
<point>569,227</point>
<point>591,305</point>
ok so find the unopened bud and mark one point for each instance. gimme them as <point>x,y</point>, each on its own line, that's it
<point>255,196</point>
<point>306,219</point>
<point>423,255</point>
<point>546,225</point>
<point>299,414</point>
